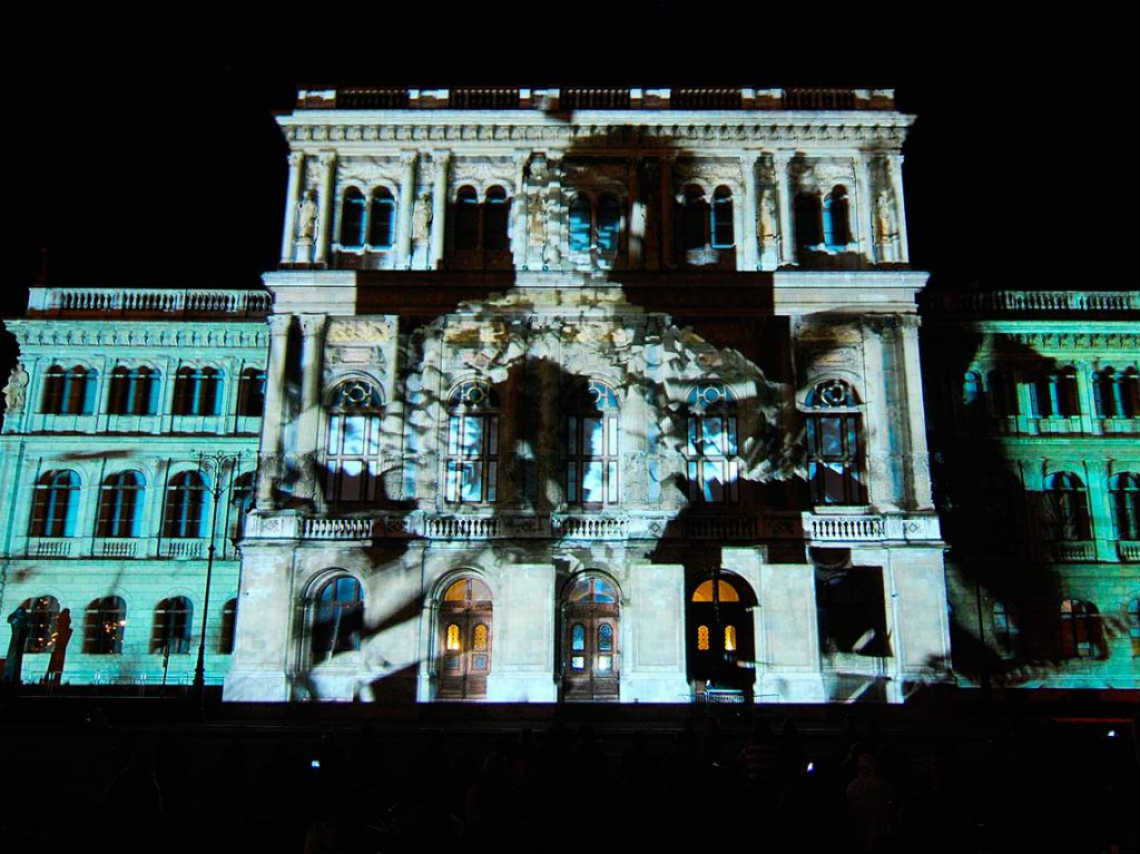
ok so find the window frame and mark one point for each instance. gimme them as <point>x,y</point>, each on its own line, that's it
<point>834,399</point>
<point>116,499</point>
<point>328,615</point>
<point>56,505</point>
<point>467,407</point>
<point>182,509</point>
<point>710,401</point>
<point>578,458</point>
<point>359,402</point>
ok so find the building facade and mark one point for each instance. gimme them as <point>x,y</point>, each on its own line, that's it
<point>599,395</point>
<point>1034,402</point>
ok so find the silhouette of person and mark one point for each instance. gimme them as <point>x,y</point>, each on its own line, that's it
<point>60,638</point>
<point>18,620</point>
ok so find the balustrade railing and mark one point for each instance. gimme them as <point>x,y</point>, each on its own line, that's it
<point>1128,550</point>
<point>1041,301</point>
<point>844,528</point>
<point>149,301</point>
<point>1073,551</point>
<point>590,527</point>
<point>332,528</point>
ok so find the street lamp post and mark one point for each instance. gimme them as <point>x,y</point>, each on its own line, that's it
<point>218,462</point>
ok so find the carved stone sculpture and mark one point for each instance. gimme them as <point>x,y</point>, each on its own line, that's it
<point>769,229</point>
<point>14,391</point>
<point>421,217</point>
<point>885,228</point>
<point>307,219</point>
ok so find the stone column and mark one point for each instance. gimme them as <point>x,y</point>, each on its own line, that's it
<point>440,162</point>
<point>749,211</point>
<point>328,171</point>
<point>404,215</point>
<point>312,344</point>
<point>919,457</point>
<point>896,161</point>
<point>636,229</point>
<point>668,262</point>
<point>1100,510</point>
<point>270,453</point>
<point>866,234</point>
<point>292,200</point>
<point>783,200</point>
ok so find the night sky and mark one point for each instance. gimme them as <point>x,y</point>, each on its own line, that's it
<point>155,159</point>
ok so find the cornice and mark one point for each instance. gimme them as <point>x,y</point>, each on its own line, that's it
<point>69,332</point>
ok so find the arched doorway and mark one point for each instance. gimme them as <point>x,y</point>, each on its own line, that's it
<point>721,645</point>
<point>590,662</point>
<point>464,640</point>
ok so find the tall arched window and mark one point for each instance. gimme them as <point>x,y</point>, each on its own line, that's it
<point>103,626</point>
<point>251,392</point>
<point>134,391</point>
<point>338,617</point>
<point>69,391</point>
<point>229,628</point>
<point>185,505</point>
<point>1080,631</point>
<point>1067,510</point>
<point>1003,393</point>
<point>1006,631</point>
<point>721,224</point>
<point>241,501</point>
<point>496,219</point>
<point>712,467</point>
<point>808,213</point>
<point>42,612</point>
<point>472,444</point>
<point>609,223</point>
<point>1125,489</point>
<point>381,219</point>
<point>581,216</point>
<point>591,446</point>
<point>172,626</point>
<point>352,219</point>
<point>834,445</point>
<point>972,394</point>
<point>466,219</point>
<point>1117,395</point>
<point>836,220</point>
<point>1056,394</point>
<point>121,505</point>
<point>352,449</point>
<point>55,508</point>
<point>694,219</point>
<point>197,391</point>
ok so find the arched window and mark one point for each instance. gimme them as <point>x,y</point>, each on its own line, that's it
<point>1130,394</point>
<point>197,391</point>
<point>496,218</point>
<point>609,223</point>
<point>121,505</point>
<point>42,613</point>
<point>381,219</point>
<point>1006,631</point>
<point>472,444</point>
<point>836,221</point>
<point>229,628</point>
<point>352,219</point>
<point>1125,489</point>
<point>103,626</point>
<point>721,225</point>
<point>592,588</point>
<point>1080,631</point>
<point>591,447</point>
<point>251,392</point>
<point>1134,625</point>
<point>1117,395</point>
<point>694,219</point>
<point>69,391</point>
<point>1067,509</point>
<point>172,626</point>
<point>241,501</point>
<point>580,223</point>
<point>1003,393</point>
<point>185,505</point>
<point>352,450</point>
<point>134,391</point>
<point>971,392</point>
<point>466,219</point>
<point>809,229</point>
<point>834,445</point>
<point>338,617</point>
<point>1056,394</point>
<point>712,467</point>
<point>55,508</point>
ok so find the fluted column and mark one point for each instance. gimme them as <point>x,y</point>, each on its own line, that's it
<point>440,162</point>
<point>308,426</point>
<point>292,200</point>
<point>784,199</point>
<point>404,216</point>
<point>270,453</point>
<point>896,161</point>
<point>328,170</point>
<point>749,212</point>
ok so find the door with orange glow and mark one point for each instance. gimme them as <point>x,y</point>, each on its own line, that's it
<point>464,640</point>
<point>590,654</point>
<point>721,651</point>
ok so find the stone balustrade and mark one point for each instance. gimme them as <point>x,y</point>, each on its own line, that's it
<point>1071,552</point>
<point>843,528</point>
<point>149,301</point>
<point>990,302</point>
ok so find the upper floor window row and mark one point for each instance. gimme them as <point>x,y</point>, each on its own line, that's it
<point>595,224</point>
<point>367,222</point>
<point>1052,393</point>
<point>823,220</point>
<point>138,391</point>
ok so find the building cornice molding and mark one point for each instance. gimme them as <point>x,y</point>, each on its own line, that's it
<point>33,333</point>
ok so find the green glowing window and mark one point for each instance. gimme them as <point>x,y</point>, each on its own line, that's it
<point>55,508</point>
<point>121,505</point>
<point>103,626</point>
<point>172,626</point>
<point>185,502</point>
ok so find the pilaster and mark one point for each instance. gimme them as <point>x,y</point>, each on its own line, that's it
<point>312,344</point>
<point>748,212</point>
<point>328,172</point>
<point>866,235</point>
<point>292,200</point>
<point>896,161</point>
<point>441,159</point>
<point>404,214</point>
<point>780,169</point>
<point>274,410</point>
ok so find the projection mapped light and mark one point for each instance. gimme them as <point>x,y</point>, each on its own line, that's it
<point>314,763</point>
<point>810,767</point>
<point>1112,733</point>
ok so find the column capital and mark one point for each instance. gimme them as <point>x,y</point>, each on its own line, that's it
<point>407,158</point>
<point>296,158</point>
<point>311,324</point>
<point>279,325</point>
<point>441,156</point>
<point>327,157</point>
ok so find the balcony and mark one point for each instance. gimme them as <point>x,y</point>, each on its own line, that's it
<point>148,302</point>
<point>1073,551</point>
<point>1128,550</point>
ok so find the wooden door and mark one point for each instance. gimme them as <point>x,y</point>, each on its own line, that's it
<point>591,660</point>
<point>721,648</point>
<point>464,641</point>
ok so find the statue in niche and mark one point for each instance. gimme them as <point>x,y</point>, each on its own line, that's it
<point>769,230</point>
<point>307,221</point>
<point>421,217</point>
<point>885,227</point>
<point>536,227</point>
<point>14,391</point>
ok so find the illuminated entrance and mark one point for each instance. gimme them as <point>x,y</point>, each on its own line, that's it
<point>721,648</point>
<point>464,640</point>
<point>590,664</point>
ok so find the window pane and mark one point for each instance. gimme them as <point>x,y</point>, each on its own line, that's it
<point>471,439</point>
<point>593,437</point>
<point>605,663</point>
<point>713,488</point>
<point>571,481</point>
<point>612,482</point>
<point>351,480</point>
<point>702,638</point>
<point>711,433</point>
<point>605,638</point>
<point>578,637</point>
<point>592,486</point>
<point>354,434</point>
<point>580,224</point>
<point>471,485</point>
